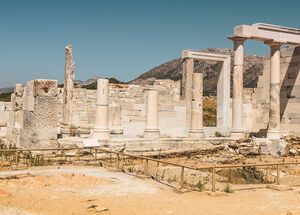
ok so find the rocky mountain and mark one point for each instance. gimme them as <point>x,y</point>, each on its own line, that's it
<point>253,67</point>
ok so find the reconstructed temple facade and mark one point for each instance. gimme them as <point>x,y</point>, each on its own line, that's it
<point>42,114</point>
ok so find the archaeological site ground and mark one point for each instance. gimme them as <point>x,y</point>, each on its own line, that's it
<point>210,140</point>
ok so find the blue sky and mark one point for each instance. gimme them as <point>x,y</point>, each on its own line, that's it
<point>121,39</point>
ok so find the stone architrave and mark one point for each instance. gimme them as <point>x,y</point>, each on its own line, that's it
<point>40,114</point>
<point>68,85</point>
<point>101,129</point>
<point>152,118</point>
<point>196,130</point>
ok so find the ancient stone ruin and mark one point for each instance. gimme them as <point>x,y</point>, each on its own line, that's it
<point>167,114</point>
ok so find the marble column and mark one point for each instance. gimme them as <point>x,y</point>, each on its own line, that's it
<point>68,85</point>
<point>274,110</point>
<point>196,130</point>
<point>188,70</point>
<point>152,119</point>
<point>101,128</point>
<point>237,130</point>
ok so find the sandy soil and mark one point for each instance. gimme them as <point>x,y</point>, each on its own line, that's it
<point>78,190</point>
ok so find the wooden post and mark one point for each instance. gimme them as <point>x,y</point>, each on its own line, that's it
<point>182,177</point>
<point>213,182</point>
<point>17,157</point>
<point>278,175</point>
<point>146,167</point>
<point>78,154</point>
<point>118,161</point>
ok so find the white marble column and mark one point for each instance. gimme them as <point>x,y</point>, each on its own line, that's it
<point>101,128</point>
<point>188,70</point>
<point>196,130</point>
<point>274,110</point>
<point>68,85</point>
<point>152,119</point>
<point>237,130</point>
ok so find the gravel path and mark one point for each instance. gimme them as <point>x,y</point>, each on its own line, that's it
<point>122,184</point>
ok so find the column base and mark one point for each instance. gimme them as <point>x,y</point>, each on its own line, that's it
<point>117,131</point>
<point>101,134</point>
<point>237,133</point>
<point>275,134</point>
<point>152,133</point>
<point>196,133</point>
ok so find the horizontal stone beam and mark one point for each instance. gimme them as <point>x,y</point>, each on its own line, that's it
<point>267,32</point>
<point>198,55</point>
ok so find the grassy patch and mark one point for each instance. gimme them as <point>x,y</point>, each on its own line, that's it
<point>5,97</point>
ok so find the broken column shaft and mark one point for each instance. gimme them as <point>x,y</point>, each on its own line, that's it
<point>101,128</point>
<point>152,119</point>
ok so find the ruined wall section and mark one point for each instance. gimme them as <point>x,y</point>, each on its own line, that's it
<point>40,121</point>
<point>132,98</point>
<point>289,94</point>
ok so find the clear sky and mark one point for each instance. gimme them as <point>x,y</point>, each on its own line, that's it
<point>122,38</point>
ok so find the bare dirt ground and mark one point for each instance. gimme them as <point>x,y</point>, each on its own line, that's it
<point>95,190</point>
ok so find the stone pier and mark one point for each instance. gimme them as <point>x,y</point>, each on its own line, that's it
<point>237,130</point>
<point>68,85</point>
<point>152,118</point>
<point>40,112</point>
<point>196,130</point>
<point>274,110</point>
<point>101,129</point>
<point>187,82</point>
<point>115,118</point>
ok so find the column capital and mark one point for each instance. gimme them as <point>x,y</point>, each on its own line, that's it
<point>237,39</point>
<point>273,43</point>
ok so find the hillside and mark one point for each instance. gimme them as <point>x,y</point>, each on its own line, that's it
<point>253,67</point>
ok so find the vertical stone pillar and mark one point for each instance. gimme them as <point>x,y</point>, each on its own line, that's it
<point>188,70</point>
<point>68,85</point>
<point>152,118</point>
<point>17,113</point>
<point>101,128</point>
<point>196,130</point>
<point>274,110</point>
<point>40,114</point>
<point>237,130</point>
<point>115,118</point>
<point>176,90</point>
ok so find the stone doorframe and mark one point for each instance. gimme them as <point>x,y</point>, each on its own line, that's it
<point>223,90</point>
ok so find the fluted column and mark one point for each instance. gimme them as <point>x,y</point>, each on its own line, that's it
<point>196,130</point>
<point>152,118</point>
<point>101,128</point>
<point>237,130</point>
<point>274,110</point>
